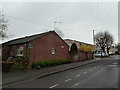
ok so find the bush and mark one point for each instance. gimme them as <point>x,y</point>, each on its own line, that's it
<point>20,62</point>
<point>41,64</point>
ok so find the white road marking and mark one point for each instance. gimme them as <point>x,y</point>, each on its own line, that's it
<point>98,66</point>
<point>67,80</point>
<point>114,63</point>
<point>76,84</point>
<point>78,75</point>
<point>84,72</point>
<point>95,67</point>
<point>54,86</point>
<point>90,69</point>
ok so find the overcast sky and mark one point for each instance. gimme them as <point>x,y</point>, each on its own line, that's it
<point>78,19</point>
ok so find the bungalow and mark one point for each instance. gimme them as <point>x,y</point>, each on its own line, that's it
<point>44,46</point>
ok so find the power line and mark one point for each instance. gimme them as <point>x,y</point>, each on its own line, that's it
<point>27,21</point>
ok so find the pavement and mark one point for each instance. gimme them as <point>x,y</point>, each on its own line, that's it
<point>9,78</point>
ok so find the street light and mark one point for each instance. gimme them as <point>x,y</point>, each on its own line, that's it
<point>93,37</point>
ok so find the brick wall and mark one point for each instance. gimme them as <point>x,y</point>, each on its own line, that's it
<point>81,56</point>
<point>5,52</point>
<point>89,55</point>
<point>42,48</point>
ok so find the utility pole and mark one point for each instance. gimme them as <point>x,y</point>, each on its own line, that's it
<point>93,37</point>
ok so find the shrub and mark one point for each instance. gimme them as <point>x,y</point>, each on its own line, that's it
<point>20,62</point>
<point>41,64</point>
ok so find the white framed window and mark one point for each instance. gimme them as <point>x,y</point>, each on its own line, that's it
<point>20,51</point>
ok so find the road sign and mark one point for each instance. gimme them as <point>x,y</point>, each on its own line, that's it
<point>30,46</point>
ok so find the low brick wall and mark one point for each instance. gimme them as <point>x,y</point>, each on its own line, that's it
<point>89,55</point>
<point>81,56</point>
<point>75,56</point>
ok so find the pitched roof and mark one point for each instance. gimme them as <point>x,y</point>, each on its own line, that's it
<point>77,41</point>
<point>25,39</point>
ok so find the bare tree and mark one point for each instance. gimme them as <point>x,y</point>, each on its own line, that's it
<point>3,26</point>
<point>104,40</point>
<point>59,32</point>
<point>108,40</point>
<point>118,47</point>
<point>99,41</point>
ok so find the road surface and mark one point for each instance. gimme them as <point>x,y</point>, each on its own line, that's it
<point>101,74</point>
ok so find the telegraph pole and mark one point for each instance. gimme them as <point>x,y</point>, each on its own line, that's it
<point>93,37</point>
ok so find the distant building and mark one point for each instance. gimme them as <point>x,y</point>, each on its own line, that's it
<point>44,46</point>
<point>83,52</point>
<point>79,44</point>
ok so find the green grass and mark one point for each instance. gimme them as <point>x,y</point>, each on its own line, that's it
<point>48,63</point>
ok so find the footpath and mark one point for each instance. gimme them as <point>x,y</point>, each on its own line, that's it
<point>9,78</point>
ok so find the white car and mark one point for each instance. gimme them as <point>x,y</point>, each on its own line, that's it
<point>99,54</point>
<point>111,53</point>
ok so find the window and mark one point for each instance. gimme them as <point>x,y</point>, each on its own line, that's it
<point>53,51</point>
<point>20,51</point>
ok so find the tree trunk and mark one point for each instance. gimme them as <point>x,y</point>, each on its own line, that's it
<point>108,51</point>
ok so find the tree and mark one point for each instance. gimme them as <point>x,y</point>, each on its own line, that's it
<point>3,26</point>
<point>99,41</point>
<point>86,48</point>
<point>59,32</point>
<point>108,40</point>
<point>104,40</point>
<point>118,47</point>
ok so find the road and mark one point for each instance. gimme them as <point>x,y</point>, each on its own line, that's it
<point>101,74</point>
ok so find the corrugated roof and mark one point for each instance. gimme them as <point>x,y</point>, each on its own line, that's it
<point>25,39</point>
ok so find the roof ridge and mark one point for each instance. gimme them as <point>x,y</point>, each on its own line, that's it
<point>78,41</point>
<point>25,38</point>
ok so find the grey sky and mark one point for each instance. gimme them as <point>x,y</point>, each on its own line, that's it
<point>78,18</point>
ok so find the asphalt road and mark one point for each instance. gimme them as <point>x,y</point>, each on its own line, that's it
<point>101,74</point>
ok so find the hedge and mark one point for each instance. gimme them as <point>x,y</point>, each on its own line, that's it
<point>41,64</point>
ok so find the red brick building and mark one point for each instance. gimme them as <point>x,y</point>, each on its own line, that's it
<point>78,55</point>
<point>45,46</point>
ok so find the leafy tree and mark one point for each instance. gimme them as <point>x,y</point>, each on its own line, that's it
<point>3,26</point>
<point>86,48</point>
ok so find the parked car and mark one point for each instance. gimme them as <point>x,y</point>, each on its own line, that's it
<point>98,54</point>
<point>111,53</point>
<point>117,53</point>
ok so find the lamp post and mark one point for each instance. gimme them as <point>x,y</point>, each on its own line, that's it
<point>93,37</point>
